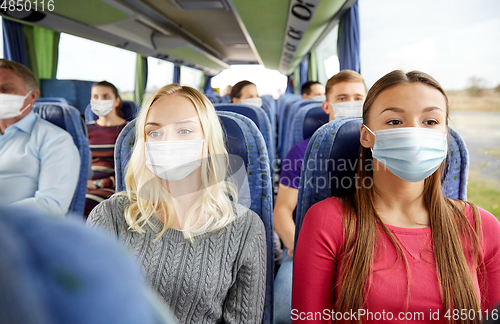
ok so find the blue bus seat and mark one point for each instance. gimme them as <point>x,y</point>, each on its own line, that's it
<point>307,120</point>
<point>269,105</point>
<point>225,99</point>
<point>54,271</point>
<point>242,138</point>
<point>338,141</point>
<point>76,92</point>
<point>52,99</point>
<point>284,110</point>
<point>214,98</point>
<point>69,119</point>
<point>259,117</point>
<point>129,110</point>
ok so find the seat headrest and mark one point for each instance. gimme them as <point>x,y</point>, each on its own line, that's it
<point>51,113</point>
<point>343,161</point>
<point>234,140</point>
<point>314,119</point>
<point>245,110</point>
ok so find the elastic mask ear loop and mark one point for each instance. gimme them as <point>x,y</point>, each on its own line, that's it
<point>24,109</point>
<point>372,133</point>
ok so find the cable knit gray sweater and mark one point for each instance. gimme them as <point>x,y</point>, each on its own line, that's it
<point>218,278</point>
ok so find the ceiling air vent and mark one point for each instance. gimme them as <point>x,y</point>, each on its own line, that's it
<point>201,4</point>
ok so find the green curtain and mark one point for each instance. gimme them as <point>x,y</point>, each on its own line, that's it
<point>141,78</point>
<point>29,40</point>
<point>313,66</point>
<point>46,43</point>
<point>42,47</point>
<point>296,80</point>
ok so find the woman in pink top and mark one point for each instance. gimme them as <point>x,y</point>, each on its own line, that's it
<point>398,251</point>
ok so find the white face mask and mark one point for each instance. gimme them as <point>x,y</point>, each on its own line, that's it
<point>348,109</point>
<point>256,102</point>
<point>173,160</point>
<point>11,105</point>
<point>319,98</point>
<point>101,107</point>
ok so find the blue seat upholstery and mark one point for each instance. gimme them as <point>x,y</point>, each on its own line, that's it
<point>259,117</point>
<point>69,119</point>
<point>214,98</point>
<point>306,121</point>
<point>284,104</point>
<point>76,92</point>
<point>52,99</point>
<point>129,110</point>
<point>338,142</point>
<point>225,99</point>
<point>243,139</point>
<point>269,105</point>
<point>55,271</point>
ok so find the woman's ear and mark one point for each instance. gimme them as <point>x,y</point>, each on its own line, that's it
<point>236,100</point>
<point>366,138</point>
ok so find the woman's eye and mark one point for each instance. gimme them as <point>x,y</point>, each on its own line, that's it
<point>154,134</point>
<point>359,99</point>
<point>431,122</point>
<point>394,122</point>
<point>185,131</point>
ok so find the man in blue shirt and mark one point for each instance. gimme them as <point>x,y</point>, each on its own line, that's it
<point>39,162</point>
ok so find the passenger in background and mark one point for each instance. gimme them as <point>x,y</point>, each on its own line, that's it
<point>105,103</point>
<point>245,92</point>
<point>204,254</point>
<point>345,88</point>
<point>39,162</point>
<point>345,93</point>
<point>398,244</point>
<point>313,90</point>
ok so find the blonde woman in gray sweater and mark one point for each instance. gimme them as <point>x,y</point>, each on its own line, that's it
<point>202,252</point>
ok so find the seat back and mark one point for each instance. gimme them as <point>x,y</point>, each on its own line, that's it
<point>76,92</point>
<point>242,138</point>
<point>214,98</point>
<point>69,119</point>
<point>259,117</point>
<point>336,146</point>
<point>129,111</point>
<point>285,107</point>
<point>269,105</point>
<point>306,121</point>
<point>52,99</point>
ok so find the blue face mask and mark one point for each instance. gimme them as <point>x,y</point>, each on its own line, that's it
<point>411,153</point>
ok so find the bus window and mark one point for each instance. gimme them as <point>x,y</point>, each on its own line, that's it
<point>160,73</point>
<point>191,77</point>
<point>326,54</point>
<point>102,62</point>
<point>268,82</point>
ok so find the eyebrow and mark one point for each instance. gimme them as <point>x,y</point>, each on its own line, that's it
<point>432,108</point>
<point>399,110</point>
<point>185,121</point>
<point>345,95</point>
<point>394,109</point>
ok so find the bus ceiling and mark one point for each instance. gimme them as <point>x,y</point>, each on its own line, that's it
<point>206,34</point>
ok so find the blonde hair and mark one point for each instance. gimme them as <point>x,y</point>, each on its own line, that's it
<point>148,193</point>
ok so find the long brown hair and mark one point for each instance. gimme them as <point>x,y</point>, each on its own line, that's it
<point>456,245</point>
